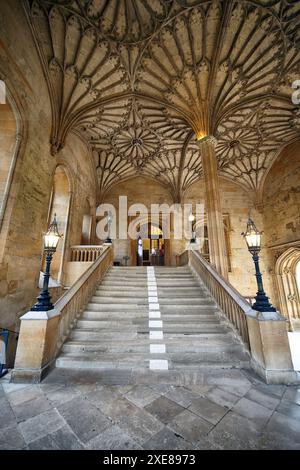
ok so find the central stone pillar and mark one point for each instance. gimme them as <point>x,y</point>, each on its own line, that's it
<point>215,225</point>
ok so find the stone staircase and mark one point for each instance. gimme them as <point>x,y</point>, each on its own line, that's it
<point>157,318</point>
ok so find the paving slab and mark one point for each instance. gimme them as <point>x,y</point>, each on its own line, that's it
<point>113,438</point>
<point>21,395</point>
<point>85,420</point>
<point>11,439</point>
<point>142,395</point>
<point>235,432</point>
<point>61,395</point>
<point>222,397</point>
<point>164,409</point>
<point>117,408</point>
<point>276,441</point>
<point>62,439</point>
<point>31,408</point>
<point>292,394</point>
<point>41,425</point>
<point>167,440</point>
<point>263,398</point>
<point>190,426</point>
<point>208,410</point>
<point>284,425</point>
<point>181,395</point>
<point>7,416</point>
<point>253,411</point>
<point>289,409</point>
<point>141,426</point>
<point>103,396</point>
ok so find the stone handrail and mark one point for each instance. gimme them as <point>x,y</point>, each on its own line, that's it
<point>85,253</point>
<point>72,302</point>
<point>232,303</point>
<point>263,333</point>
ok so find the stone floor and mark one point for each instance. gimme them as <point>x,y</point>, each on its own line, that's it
<point>119,409</point>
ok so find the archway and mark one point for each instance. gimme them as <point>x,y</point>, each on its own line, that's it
<point>8,151</point>
<point>150,245</point>
<point>286,270</point>
<point>59,205</point>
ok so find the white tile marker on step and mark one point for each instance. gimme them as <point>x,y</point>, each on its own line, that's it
<point>155,325</point>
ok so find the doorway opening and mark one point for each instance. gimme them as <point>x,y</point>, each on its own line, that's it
<point>59,205</point>
<point>150,246</point>
<point>287,279</point>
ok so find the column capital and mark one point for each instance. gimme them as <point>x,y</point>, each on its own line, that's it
<point>207,139</point>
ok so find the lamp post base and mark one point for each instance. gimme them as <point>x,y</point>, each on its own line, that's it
<point>262,304</point>
<point>43,303</point>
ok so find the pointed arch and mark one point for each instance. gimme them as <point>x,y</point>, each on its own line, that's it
<point>288,291</point>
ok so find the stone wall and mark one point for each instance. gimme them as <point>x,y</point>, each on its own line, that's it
<point>25,217</point>
<point>281,198</point>
<point>236,203</point>
<point>281,210</point>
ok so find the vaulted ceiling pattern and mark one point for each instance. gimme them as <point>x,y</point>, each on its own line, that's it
<point>139,79</point>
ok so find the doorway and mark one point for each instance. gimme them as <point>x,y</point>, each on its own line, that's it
<point>287,280</point>
<point>150,246</point>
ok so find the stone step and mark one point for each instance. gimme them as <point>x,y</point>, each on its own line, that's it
<point>113,331</point>
<point>130,315</point>
<point>156,269</point>
<point>143,293</point>
<point>121,307</point>
<point>143,331</point>
<point>163,276</point>
<point>142,308</point>
<point>90,335</point>
<point>143,282</point>
<point>141,322</point>
<point>143,345</point>
<point>131,290</point>
<point>142,361</point>
<point>183,300</point>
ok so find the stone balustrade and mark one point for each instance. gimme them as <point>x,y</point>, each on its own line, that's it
<point>264,334</point>
<point>42,334</point>
<point>233,305</point>
<point>85,253</point>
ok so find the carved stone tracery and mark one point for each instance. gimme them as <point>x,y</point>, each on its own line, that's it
<point>139,79</point>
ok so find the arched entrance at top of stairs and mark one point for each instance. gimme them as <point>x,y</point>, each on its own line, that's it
<point>287,272</point>
<point>150,245</point>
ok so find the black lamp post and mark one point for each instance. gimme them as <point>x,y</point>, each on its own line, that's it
<point>253,240</point>
<point>192,220</point>
<point>51,239</point>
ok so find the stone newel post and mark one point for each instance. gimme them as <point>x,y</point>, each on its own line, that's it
<point>37,346</point>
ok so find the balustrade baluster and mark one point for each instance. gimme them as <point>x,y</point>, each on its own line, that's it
<point>230,301</point>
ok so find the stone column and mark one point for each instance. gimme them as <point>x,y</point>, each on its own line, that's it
<point>215,226</point>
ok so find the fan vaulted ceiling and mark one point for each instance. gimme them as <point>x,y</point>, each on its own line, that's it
<point>139,78</point>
